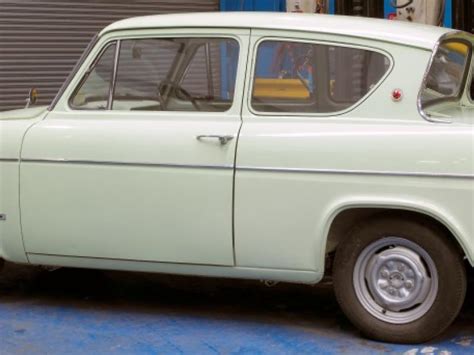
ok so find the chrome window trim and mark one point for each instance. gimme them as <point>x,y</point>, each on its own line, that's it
<point>86,74</point>
<point>9,160</point>
<point>470,83</point>
<point>118,45</point>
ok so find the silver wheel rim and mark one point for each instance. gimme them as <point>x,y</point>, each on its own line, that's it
<point>395,280</point>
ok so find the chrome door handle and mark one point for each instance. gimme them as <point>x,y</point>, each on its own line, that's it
<point>222,139</point>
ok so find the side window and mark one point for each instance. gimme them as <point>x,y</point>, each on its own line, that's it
<point>354,72</point>
<point>93,91</point>
<point>446,79</point>
<point>143,65</point>
<point>297,77</point>
<point>211,72</point>
<point>176,74</point>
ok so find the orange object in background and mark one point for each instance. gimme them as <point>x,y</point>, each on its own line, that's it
<point>280,89</point>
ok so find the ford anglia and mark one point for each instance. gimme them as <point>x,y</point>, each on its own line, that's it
<point>281,147</point>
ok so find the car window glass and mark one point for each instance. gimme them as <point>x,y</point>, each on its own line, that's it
<point>143,64</point>
<point>93,91</point>
<point>176,74</point>
<point>446,76</point>
<point>313,78</point>
<point>213,62</point>
<point>354,72</point>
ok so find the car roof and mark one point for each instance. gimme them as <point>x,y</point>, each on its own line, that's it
<point>416,35</point>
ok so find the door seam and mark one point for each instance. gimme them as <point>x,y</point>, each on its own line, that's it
<point>20,215</point>
<point>249,36</point>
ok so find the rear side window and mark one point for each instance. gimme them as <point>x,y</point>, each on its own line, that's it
<point>446,78</point>
<point>297,77</point>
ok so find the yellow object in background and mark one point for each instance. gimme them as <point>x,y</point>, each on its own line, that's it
<point>458,47</point>
<point>280,89</point>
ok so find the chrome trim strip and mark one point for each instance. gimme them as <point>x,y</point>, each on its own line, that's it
<point>354,172</point>
<point>9,160</point>
<point>138,164</point>
<point>164,262</point>
<point>123,259</point>
<point>114,75</point>
<point>249,168</point>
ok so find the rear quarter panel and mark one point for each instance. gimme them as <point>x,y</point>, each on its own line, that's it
<point>295,174</point>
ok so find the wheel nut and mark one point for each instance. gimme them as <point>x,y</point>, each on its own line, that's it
<point>409,284</point>
<point>401,268</point>
<point>391,291</point>
<point>385,274</point>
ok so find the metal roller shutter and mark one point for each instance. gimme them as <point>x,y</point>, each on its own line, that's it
<point>463,16</point>
<point>41,40</point>
<point>368,8</point>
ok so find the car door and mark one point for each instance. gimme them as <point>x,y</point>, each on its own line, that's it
<point>136,160</point>
<point>299,136</point>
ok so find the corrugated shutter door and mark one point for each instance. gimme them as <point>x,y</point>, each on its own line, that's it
<point>471,15</point>
<point>41,40</point>
<point>369,8</point>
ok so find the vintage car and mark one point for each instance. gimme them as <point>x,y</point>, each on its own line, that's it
<point>280,147</point>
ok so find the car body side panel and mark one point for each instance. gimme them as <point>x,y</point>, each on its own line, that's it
<point>133,185</point>
<point>11,244</point>
<point>13,125</point>
<point>295,221</point>
<point>295,172</point>
<point>294,276</point>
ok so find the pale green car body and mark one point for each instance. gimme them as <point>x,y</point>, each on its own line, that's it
<point>137,191</point>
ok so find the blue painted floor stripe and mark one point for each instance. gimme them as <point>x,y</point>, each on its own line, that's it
<point>90,312</point>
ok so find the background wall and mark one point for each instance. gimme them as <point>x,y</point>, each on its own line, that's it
<point>41,40</point>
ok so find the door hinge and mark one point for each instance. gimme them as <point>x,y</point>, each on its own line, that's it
<point>3,216</point>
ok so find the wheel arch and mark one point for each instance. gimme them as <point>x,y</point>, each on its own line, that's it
<point>345,214</point>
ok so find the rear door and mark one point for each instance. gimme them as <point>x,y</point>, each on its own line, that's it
<point>136,160</point>
<point>297,140</point>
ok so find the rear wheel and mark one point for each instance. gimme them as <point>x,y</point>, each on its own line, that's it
<point>399,280</point>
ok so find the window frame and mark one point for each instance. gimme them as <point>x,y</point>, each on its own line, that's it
<point>83,74</point>
<point>252,76</point>
<point>89,70</point>
<point>467,99</point>
<point>464,81</point>
<point>455,35</point>
<point>74,71</point>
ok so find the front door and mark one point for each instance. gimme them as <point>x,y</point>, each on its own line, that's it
<point>136,160</point>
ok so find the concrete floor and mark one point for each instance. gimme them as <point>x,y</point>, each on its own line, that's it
<point>70,311</point>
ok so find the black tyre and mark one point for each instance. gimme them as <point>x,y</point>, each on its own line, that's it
<point>399,280</point>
